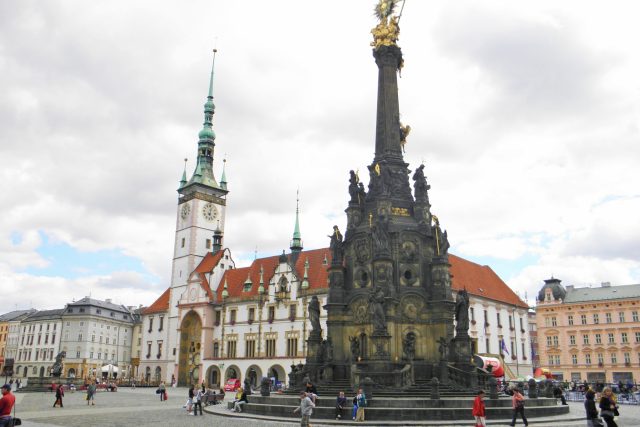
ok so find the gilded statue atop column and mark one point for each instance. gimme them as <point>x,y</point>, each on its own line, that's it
<point>387,31</point>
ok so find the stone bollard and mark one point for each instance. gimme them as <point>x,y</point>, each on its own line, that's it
<point>493,388</point>
<point>435,389</point>
<point>265,387</point>
<point>533,392</point>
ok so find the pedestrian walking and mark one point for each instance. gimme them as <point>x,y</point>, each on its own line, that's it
<point>341,403</point>
<point>517,402</point>
<point>162,391</point>
<point>59,396</point>
<point>590,409</point>
<point>197,402</point>
<point>608,407</point>
<point>479,410</point>
<point>91,393</point>
<point>305,409</point>
<point>191,395</point>
<point>362,403</point>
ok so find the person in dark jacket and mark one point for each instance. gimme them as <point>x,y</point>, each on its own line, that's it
<point>312,392</point>
<point>590,408</point>
<point>59,395</point>
<point>341,403</point>
<point>559,394</point>
<point>608,407</point>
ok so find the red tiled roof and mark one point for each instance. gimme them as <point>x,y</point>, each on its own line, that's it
<point>159,305</point>
<point>317,274</point>
<point>482,281</point>
<point>207,264</point>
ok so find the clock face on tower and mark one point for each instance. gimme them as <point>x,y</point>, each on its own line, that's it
<point>186,209</point>
<point>209,212</point>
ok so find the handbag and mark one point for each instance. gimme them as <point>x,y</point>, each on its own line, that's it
<point>606,413</point>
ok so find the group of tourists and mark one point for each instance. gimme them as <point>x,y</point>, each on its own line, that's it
<point>517,405</point>
<point>608,408</point>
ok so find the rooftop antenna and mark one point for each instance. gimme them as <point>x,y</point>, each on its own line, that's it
<point>401,9</point>
<point>255,253</point>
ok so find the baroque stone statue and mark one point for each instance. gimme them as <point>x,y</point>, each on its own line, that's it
<point>381,236</point>
<point>409,346</point>
<point>336,246</point>
<point>376,308</point>
<point>56,370</point>
<point>353,186</point>
<point>355,347</point>
<point>314,315</point>
<point>443,348</point>
<point>420,185</point>
<point>462,311</point>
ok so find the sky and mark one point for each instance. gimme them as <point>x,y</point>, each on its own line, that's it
<point>526,115</point>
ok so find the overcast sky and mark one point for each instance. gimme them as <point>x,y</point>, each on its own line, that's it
<point>525,113</point>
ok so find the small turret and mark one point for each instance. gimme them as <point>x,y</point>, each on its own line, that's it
<point>217,239</point>
<point>296,242</point>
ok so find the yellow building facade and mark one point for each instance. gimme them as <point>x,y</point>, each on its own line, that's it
<point>590,333</point>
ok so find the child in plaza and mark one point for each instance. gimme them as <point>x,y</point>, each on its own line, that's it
<point>341,403</point>
<point>355,408</point>
<point>305,409</point>
<point>479,410</point>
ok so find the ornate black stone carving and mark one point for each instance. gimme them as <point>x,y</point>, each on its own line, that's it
<point>56,370</point>
<point>361,193</point>
<point>420,186</point>
<point>335,245</point>
<point>462,311</point>
<point>314,316</point>
<point>409,346</point>
<point>355,347</point>
<point>380,236</point>
<point>376,308</point>
<point>362,251</point>
<point>443,348</point>
<point>353,187</point>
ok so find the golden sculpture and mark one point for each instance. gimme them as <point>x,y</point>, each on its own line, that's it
<point>404,132</point>
<point>387,31</point>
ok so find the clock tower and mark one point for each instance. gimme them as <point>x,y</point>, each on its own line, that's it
<point>201,206</point>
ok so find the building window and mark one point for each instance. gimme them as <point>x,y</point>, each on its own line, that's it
<point>159,355</point>
<point>218,317</point>
<point>625,338</point>
<point>231,349</point>
<point>487,346</point>
<point>107,340</point>
<point>554,321</point>
<point>79,337</point>
<point>598,339</point>
<point>634,316</point>
<point>596,318</point>
<point>637,337</point>
<point>182,243</point>
<point>99,355</point>
<point>499,321</point>
<point>472,314</point>
<point>627,358</point>
<point>607,317</point>
<point>216,350</point>
<point>101,337</point>
<point>53,337</point>
<point>161,323</point>
<point>252,315</point>
<point>270,350</point>
<point>232,316</point>
<point>524,353</point>
<point>550,360</point>
<point>148,350</point>
<point>486,318</point>
<point>614,358</point>
<point>272,314</point>
<point>78,354</point>
<point>583,319</point>
<point>572,339</point>
<point>521,325</point>
<point>621,316</point>
<point>557,359</point>
<point>574,359</point>
<point>91,355</point>
<point>587,359</point>
<point>293,308</point>
<point>600,359</point>
<point>208,244</point>
<point>549,341</point>
<point>292,347</point>
<point>250,348</point>
<point>150,324</point>
<point>555,341</point>
<point>611,338</point>
<point>585,339</point>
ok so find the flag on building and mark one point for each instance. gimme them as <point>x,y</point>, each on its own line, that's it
<point>503,346</point>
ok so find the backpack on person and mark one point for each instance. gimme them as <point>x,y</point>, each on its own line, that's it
<point>520,404</point>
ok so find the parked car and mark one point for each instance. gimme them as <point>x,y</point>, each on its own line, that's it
<point>232,385</point>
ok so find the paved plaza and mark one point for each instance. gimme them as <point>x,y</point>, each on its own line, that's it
<point>142,407</point>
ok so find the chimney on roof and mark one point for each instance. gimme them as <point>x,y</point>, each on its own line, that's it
<point>569,287</point>
<point>605,284</point>
<point>108,300</point>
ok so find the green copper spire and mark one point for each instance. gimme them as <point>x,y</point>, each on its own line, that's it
<point>183,181</point>
<point>223,179</point>
<point>296,242</point>
<point>203,173</point>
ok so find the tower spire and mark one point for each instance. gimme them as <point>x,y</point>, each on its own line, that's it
<point>203,173</point>
<point>296,242</point>
<point>223,179</point>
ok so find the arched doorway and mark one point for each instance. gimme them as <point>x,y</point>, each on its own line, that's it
<point>41,371</point>
<point>190,344</point>
<point>71,373</point>
<point>254,374</point>
<point>213,377</point>
<point>147,375</point>
<point>25,372</point>
<point>232,372</point>
<point>277,375</point>
<point>158,374</point>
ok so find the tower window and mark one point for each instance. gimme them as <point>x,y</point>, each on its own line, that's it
<point>182,242</point>
<point>208,244</point>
